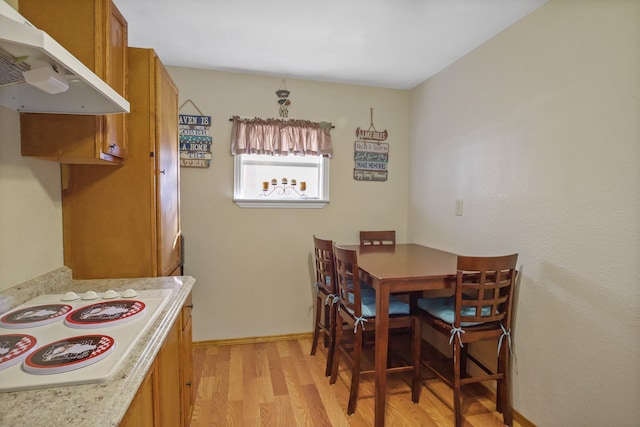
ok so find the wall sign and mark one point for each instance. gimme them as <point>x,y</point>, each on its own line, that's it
<point>195,142</point>
<point>371,156</point>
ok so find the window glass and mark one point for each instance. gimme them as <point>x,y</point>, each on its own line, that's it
<point>281,181</point>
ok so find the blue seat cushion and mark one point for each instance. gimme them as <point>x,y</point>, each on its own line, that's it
<point>363,285</point>
<point>365,291</point>
<point>368,301</point>
<point>444,308</point>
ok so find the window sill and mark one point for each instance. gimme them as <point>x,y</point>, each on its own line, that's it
<point>282,204</point>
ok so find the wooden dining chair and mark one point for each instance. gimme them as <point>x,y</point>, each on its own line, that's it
<point>356,313</point>
<point>480,310</point>
<point>387,237</point>
<point>326,300</point>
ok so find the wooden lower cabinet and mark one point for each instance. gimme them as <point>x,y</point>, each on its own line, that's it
<point>141,411</point>
<point>167,385</point>
<point>188,392</point>
<point>165,397</point>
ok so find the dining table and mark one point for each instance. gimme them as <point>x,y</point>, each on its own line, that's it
<point>394,269</point>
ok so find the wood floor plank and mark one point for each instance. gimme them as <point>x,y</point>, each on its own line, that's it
<point>296,394</point>
<point>316,407</point>
<point>215,387</point>
<point>236,372</point>
<point>300,363</point>
<point>274,362</point>
<point>279,384</point>
<point>335,411</point>
<point>284,411</point>
<point>234,415</point>
<point>268,414</point>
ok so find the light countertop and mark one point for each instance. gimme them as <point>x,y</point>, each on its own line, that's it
<point>101,404</point>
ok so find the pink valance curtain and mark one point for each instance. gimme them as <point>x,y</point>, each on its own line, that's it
<point>280,137</point>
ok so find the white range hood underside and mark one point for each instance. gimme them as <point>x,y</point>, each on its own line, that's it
<point>87,93</point>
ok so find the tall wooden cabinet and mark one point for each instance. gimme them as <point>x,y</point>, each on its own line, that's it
<point>124,221</point>
<point>96,33</point>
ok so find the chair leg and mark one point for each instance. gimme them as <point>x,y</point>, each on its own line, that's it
<point>316,330</point>
<point>503,397</point>
<point>499,386</point>
<point>332,339</point>
<point>416,342</point>
<point>464,351</point>
<point>336,352</point>
<point>457,359</point>
<point>355,373</point>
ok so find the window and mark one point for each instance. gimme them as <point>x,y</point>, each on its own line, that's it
<point>280,163</point>
<point>267,181</point>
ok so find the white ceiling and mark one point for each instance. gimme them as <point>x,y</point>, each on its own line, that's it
<point>384,43</point>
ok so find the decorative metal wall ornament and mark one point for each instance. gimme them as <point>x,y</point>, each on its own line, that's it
<point>371,155</point>
<point>283,99</point>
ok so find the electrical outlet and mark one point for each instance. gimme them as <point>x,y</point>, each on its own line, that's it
<point>459,205</point>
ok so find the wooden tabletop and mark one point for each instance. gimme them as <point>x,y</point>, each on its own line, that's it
<point>405,262</point>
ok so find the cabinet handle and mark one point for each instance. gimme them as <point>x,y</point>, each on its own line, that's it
<point>188,383</point>
<point>190,306</point>
<point>163,171</point>
<point>113,146</point>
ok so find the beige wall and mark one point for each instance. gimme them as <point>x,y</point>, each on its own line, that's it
<point>30,209</point>
<point>253,266</point>
<point>538,132</point>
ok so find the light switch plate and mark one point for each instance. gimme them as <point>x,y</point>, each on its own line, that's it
<point>459,206</point>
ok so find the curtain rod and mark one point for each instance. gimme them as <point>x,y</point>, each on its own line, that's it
<point>231,119</point>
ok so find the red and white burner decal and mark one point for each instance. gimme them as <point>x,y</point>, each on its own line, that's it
<point>14,348</point>
<point>37,315</point>
<point>69,354</point>
<point>104,314</point>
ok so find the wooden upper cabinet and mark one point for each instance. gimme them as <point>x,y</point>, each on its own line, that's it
<point>95,32</point>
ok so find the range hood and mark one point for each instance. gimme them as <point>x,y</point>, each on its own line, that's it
<point>58,82</point>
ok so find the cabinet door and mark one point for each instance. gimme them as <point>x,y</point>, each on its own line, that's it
<point>141,411</point>
<point>188,393</point>
<point>95,32</point>
<point>168,380</point>
<point>114,141</point>
<point>167,172</point>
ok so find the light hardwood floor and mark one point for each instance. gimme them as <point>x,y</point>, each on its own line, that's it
<point>279,384</point>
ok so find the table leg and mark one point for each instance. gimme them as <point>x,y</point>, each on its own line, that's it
<point>382,345</point>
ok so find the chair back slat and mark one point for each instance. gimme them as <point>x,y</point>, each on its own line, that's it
<point>371,238</point>
<point>348,283</point>
<point>325,272</point>
<point>484,291</point>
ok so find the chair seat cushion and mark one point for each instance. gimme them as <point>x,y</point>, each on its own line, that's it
<point>365,290</point>
<point>368,300</point>
<point>444,308</point>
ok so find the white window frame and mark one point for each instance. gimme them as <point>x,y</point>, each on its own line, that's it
<point>263,202</point>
